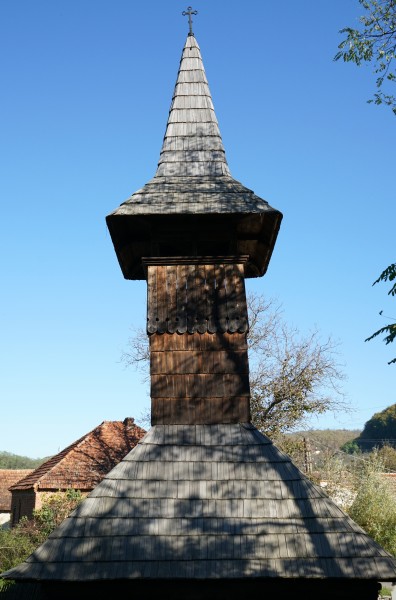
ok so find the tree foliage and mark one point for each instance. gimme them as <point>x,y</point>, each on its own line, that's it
<point>338,478</point>
<point>389,274</point>
<point>378,431</point>
<point>15,547</point>
<point>388,456</point>
<point>55,508</point>
<point>351,447</point>
<point>374,42</point>
<point>374,506</point>
<point>18,543</point>
<point>361,489</point>
<point>15,461</point>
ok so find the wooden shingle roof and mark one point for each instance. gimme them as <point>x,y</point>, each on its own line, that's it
<point>193,180</point>
<point>207,502</point>
<point>192,174</point>
<point>85,462</point>
<point>192,143</point>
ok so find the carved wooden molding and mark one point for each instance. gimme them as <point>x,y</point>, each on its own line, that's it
<point>190,297</point>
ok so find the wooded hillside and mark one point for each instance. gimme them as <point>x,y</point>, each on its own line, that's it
<point>14,461</point>
<point>331,439</point>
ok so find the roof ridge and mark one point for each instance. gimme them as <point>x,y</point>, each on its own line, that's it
<point>45,468</point>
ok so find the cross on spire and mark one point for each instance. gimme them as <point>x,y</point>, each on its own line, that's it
<point>189,12</point>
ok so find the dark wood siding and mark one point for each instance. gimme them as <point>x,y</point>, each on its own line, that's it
<point>197,323</point>
<point>199,378</point>
<point>196,298</point>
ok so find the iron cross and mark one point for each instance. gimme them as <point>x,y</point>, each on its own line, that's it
<point>189,12</point>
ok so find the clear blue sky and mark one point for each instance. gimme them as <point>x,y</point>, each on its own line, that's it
<point>86,89</point>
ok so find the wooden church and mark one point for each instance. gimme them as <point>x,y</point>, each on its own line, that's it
<point>204,506</point>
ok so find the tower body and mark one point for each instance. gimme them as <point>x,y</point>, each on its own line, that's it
<point>195,233</point>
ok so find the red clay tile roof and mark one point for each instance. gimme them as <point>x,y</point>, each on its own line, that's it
<point>83,464</point>
<point>9,477</point>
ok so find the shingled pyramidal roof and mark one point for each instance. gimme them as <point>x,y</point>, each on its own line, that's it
<point>204,503</point>
<point>210,501</point>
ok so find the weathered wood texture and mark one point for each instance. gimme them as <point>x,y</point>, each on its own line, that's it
<point>190,411</point>
<point>209,502</point>
<point>196,298</point>
<point>197,322</point>
<point>231,341</point>
<point>199,378</point>
<point>192,182</point>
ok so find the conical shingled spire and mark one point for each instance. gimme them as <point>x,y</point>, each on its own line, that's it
<point>192,144</point>
<point>193,206</point>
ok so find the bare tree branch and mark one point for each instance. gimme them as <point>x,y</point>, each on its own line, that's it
<point>292,376</point>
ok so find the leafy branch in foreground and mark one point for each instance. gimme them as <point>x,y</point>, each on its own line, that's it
<point>374,42</point>
<point>389,274</point>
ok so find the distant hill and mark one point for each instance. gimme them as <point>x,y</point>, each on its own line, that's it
<point>379,431</point>
<point>332,439</point>
<point>14,461</point>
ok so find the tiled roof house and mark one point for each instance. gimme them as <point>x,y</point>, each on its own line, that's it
<point>80,466</point>
<point>204,506</point>
<point>9,477</point>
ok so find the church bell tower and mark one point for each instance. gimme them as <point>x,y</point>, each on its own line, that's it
<point>194,233</point>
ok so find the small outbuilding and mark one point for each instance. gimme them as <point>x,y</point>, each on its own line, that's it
<point>9,477</point>
<point>80,466</point>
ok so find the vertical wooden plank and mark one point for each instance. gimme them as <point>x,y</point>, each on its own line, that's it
<point>190,409</point>
<point>169,361</point>
<point>240,293</point>
<point>188,362</point>
<point>166,410</point>
<point>191,299</point>
<point>221,299</point>
<point>175,360</point>
<point>204,301</point>
<point>171,283</point>
<point>181,298</point>
<point>203,362</point>
<point>155,363</point>
<point>151,299</point>
<point>162,304</point>
<point>211,298</point>
<point>229,278</point>
<point>160,342</point>
<point>200,290</point>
